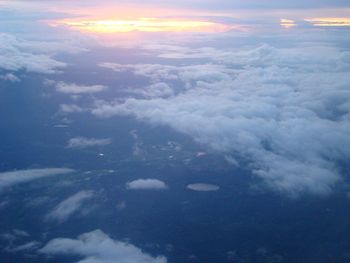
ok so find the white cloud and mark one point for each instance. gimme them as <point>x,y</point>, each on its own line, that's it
<point>16,54</point>
<point>72,88</point>
<point>71,108</point>
<point>146,184</point>
<point>69,206</point>
<point>159,73</point>
<point>10,77</point>
<point>287,110</point>
<point>97,247</point>
<point>8,179</point>
<point>154,71</point>
<point>82,142</point>
<point>156,90</point>
<point>137,148</point>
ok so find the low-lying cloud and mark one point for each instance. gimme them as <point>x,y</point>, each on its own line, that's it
<point>69,206</point>
<point>18,54</point>
<point>10,77</point>
<point>30,246</point>
<point>146,184</point>
<point>97,247</point>
<point>73,88</point>
<point>286,110</point>
<point>8,179</point>
<point>201,187</point>
<point>82,142</point>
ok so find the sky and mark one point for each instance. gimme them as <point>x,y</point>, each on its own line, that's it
<point>264,84</point>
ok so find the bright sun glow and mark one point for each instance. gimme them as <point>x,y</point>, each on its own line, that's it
<point>329,21</point>
<point>145,25</point>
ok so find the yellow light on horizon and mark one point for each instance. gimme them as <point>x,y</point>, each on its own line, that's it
<point>329,21</point>
<point>145,25</point>
<point>287,23</point>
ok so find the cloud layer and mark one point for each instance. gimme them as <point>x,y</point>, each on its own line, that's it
<point>286,110</point>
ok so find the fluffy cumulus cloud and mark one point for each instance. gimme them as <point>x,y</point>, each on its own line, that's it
<point>97,247</point>
<point>286,110</point>
<point>146,184</point>
<point>8,179</point>
<point>82,142</point>
<point>69,206</point>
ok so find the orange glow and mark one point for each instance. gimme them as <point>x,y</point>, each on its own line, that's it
<point>145,25</point>
<point>329,21</point>
<point>287,23</point>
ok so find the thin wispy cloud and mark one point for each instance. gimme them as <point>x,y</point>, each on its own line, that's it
<point>72,88</point>
<point>82,142</point>
<point>12,178</point>
<point>30,246</point>
<point>70,206</point>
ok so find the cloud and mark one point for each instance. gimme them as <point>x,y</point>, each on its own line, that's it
<point>137,148</point>
<point>97,247</point>
<point>33,245</point>
<point>200,187</point>
<point>8,179</point>
<point>20,233</point>
<point>154,71</point>
<point>286,110</point>
<point>156,90</point>
<point>72,88</point>
<point>146,184</point>
<point>71,108</point>
<point>81,142</point>
<point>16,55</point>
<point>16,234</point>
<point>69,206</point>
<point>159,73</point>
<point>10,77</point>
